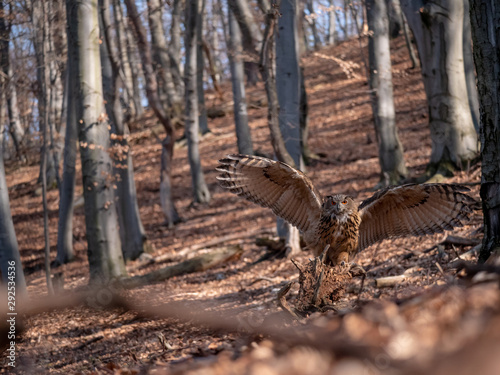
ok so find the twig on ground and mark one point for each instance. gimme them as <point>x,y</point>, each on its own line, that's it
<point>282,300</point>
<point>88,342</point>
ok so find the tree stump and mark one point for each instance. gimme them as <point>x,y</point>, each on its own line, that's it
<point>321,285</point>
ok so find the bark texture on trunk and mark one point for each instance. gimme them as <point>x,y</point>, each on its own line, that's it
<point>390,149</point>
<point>200,69</point>
<point>288,87</point>
<point>312,23</point>
<point>267,69</point>
<point>470,73</point>
<point>10,259</point>
<point>233,40</point>
<point>174,47</point>
<point>121,41</point>
<point>485,18</point>
<point>200,188</point>
<point>103,238</point>
<point>65,251</point>
<point>331,35</point>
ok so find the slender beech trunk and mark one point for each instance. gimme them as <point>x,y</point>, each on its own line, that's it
<point>11,267</point>
<point>485,18</point>
<point>65,251</point>
<point>331,23</point>
<point>200,189</point>
<point>44,76</point>
<point>174,47</point>
<point>312,24</point>
<point>121,41</point>
<point>470,73</point>
<point>9,249</point>
<point>390,149</point>
<point>103,238</point>
<point>267,68</point>
<point>168,206</point>
<point>288,89</point>
<point>200,69</point>
<point>233,41</point>
<point>135,67</point>
<point>411,50</point>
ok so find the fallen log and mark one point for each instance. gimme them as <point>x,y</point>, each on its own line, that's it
<point>196,264</point>
<point>460,241</point>
<point>389,281</point>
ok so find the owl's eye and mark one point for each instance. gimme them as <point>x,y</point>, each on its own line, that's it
<point>344,202</point>
<point>334,203</point>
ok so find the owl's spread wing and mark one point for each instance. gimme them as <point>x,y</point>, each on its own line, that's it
<point>287,191</point>
<point>413,210</point>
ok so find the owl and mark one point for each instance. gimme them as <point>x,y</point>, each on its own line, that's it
<point>338,220</point>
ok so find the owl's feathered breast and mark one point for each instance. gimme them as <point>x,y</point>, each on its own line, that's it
<point>340,233</point>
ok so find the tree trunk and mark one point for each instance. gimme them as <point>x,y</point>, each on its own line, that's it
<point>251,37</point>
<point>233,41</point>
<point>161,60</point>
<point>250,32</point>
<point>15,129</point>
<point>411,50</point>
<point>132,48</point>
<point>174,48</point>
<point>169,210</point>
<point>121,39</point>
<point>438,30</point>
<point>307,154</point>
<point>200,69</point>
<point>485,18</point>
<point>470,73</point>
<point>395,17</point>
<point>390,149</point>
<point>9,250</point>
<point>331,24</point>
<point>312,22</point>
<point>267,68</point>
<point>45,133</point>
<point>132,234</point>
<point>288,79</point>
<point>41,42</point>
<point>288,89</point>
<point>65,252</point>
<point>200,189</point>
<point>104,246</point>
<point>167,203</point>
<point>45,34</point>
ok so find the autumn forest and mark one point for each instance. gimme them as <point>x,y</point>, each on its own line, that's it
<point>249,186</point>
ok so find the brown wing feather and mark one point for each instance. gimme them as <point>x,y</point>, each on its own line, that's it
<point>413,210</point>
<point>287,191</point>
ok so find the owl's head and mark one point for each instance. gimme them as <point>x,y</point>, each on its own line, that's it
<point>339,205</point>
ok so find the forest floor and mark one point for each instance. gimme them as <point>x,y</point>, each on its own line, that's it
<point>433,319</point>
